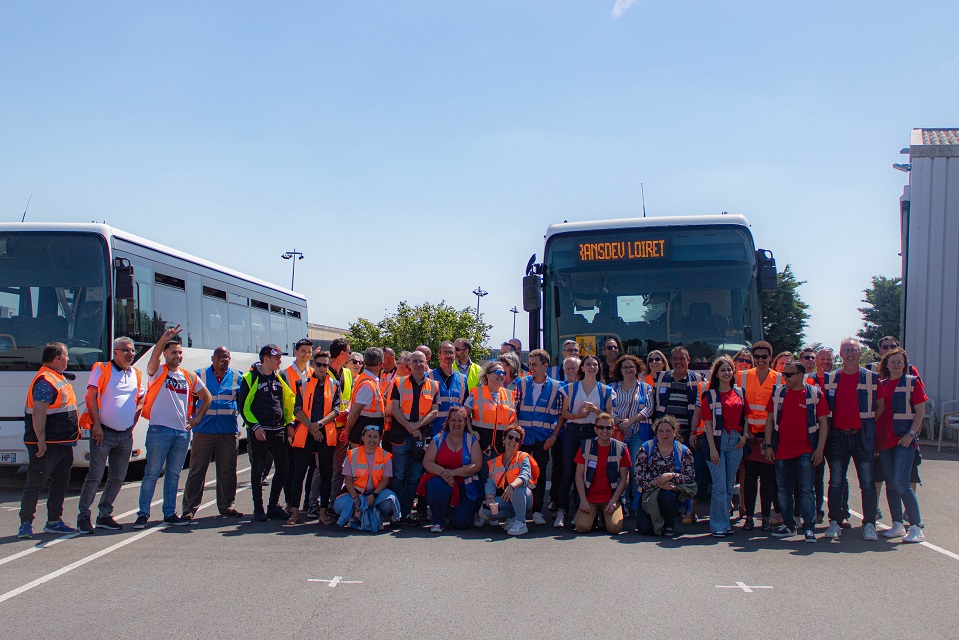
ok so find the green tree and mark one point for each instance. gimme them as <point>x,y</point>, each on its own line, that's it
<point>784,313</point>
<point>881,316</point>
<point>430,324</point>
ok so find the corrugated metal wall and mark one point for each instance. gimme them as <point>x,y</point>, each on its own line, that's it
<point>931,288</point>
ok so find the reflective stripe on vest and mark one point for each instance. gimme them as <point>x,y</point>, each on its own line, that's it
<point>544,413</point>
<point>812,398</point>
<point>616,450</point>
<point>308,395</point>
<point>694,385</point>
<point>362,470</point>
<point>224,401</point>
<point>504,474</point>
<point>448,396</point>
<point>866,391</point>
<point>58,411</point>
<point>902,408</point>
<point>154,390</point>
<point>106,370</point>
<point>346,394</point>
<point>489,412</point>
<point>467,459</point>
<point>716,408</point>
<point>375,408</point>
<point>756,396</point>
<point>428,391</point>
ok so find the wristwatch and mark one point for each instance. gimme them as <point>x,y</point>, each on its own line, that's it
<point>765,446</point>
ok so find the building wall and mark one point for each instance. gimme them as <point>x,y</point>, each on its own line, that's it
<point>931,270</point>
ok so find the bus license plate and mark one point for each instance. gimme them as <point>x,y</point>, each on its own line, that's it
<point>8,457</point>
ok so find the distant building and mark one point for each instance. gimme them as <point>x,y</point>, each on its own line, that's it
<point>929,210</point>
<point>322,335</point>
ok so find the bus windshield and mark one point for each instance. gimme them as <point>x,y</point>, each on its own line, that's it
<point>653,289</point>
<point>53,288</point>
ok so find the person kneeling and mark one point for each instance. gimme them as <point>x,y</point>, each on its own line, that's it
<point>366,473</point>
<point>602,474</point>
<point>511,476</point>
<point>666,473</point>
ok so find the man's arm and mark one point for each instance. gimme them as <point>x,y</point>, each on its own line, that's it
<point>620,488</point>
<point>40,425</point>
<point>154,364</point>
<point>817,455</point>
<point>581,486</point>
<point>206,399</point>
<point>96,430</point>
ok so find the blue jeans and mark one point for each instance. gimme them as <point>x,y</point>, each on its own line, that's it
<point>438,495</point>
<point>115,447</point>
<point>382,502</point>
<point>897,465</point>
<point>406,473</point>
<point>840,449</point>
<point>724,478</point>
<point>166,447</point>
<point>786,470</point>
<point>517,507</point>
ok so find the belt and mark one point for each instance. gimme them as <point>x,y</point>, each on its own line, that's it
<point>112,430</point>
<point>847,432</point>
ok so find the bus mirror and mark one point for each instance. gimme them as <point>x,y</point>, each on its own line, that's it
<point>766,264</point>
<point>123,279</point>
<point>532,286</point>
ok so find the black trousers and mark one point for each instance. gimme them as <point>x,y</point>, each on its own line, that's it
<point>541,456</point>
<point>53,467</point>
<point>763,474</point>
<point>275,446</point>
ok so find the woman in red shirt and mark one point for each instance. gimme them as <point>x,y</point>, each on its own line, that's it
<point>722,411</point>
<point>897,430</point>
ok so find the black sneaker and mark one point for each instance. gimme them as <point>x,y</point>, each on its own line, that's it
<point>277,513</point>
<point>141,522</point>
<point>784,531</point>
<point>84,526</point>
<point>313,513</point>
<point>668,531</point>
<point>107,522</point>
<point>231,513</point>
<point>258,515</point>
<point>176,521</point>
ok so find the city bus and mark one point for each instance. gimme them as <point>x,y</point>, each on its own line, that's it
<point>86,284</point>
<point>650,283</point>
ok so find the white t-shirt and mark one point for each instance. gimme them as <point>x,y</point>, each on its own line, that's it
<point>170,407</point>
<point>364,394</point>
<point>582,397</point>
<point>118,404</point>
<point>537,391</point>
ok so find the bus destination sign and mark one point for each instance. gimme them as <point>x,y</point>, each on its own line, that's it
<point>633,250</point>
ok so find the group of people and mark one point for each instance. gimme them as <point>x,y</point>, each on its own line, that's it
<point>382,439</point>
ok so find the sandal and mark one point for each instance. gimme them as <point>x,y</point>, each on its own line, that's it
<point>325,517</point>
<point>294,518</point>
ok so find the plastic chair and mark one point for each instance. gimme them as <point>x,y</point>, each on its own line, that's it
<point>948,419</point>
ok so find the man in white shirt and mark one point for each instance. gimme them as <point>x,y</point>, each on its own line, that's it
<point>113,414</point>
<point>169,408</point>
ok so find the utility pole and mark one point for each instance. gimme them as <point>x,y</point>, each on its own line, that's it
<point>514,311</point>
<point>479,293</point>
<point>294,256</point>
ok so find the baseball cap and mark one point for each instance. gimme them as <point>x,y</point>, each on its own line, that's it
<point>271,350</point>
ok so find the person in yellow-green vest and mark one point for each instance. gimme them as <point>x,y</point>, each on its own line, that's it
<point>465,365</point>
<point>266,404</point>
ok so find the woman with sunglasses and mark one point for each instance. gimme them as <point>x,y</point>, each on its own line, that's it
<point>655,365</point>
<point>449,481</point>
<point>631,411</point>
<point>583,400</point>
<point>492,408</point>
<point>743,360</point>
<point>725,417</point>
<point>508,487</point>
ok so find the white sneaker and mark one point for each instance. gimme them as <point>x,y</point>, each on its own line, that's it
<point>509,523</point>
<point>436,528</point>
<point>538,518</point>
<point>914,535</point>
<point>869,532</point>
<point>558,522</point>
<point>897,531</point>
<point>833,530</point>
<point>518,529</point>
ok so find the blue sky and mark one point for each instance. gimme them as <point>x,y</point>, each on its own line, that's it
<point>419,149</point>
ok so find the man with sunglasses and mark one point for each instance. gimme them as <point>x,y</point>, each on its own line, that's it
<point>611,351</point>
<point>464,364</point>
<point>887,344</point>
<point>314,442</point>
<point>215,437</point>
<point>299,371</point>
<point>795,438</point>
<point>852,394</point>
<point>807,358</point>
<point>757,384</point>
<point>340,353</point>
<point>602,475</point>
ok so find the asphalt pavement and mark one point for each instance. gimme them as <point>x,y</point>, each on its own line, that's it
<point>227,578</point>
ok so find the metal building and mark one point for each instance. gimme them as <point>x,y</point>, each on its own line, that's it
<point>930,260</point>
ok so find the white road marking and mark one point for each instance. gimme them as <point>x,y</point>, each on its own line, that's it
<point>741,585</point>
<point>335,581</point>
<point>945,552</point>
<point>90,558</point>
<point>50,543</point>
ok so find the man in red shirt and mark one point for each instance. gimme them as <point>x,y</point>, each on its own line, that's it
<point>602,474</point>
<point>796,438</point>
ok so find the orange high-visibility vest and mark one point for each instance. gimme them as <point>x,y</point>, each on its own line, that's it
<point>154,390</point>
<point>293,376</point>
<point>362,470</point>
<point>428,392</point>
<point>503,472</point>
<point>60,427</point>
<point>375,408</point>
<point>106,370</point>
<point>308,390</point>
<point>757,396</point>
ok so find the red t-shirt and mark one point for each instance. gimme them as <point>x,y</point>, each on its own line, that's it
<point>886,438</point>
<point>600,489</point>
<point>732,409</point>
<point>793,432</point>
<point>845,414</point>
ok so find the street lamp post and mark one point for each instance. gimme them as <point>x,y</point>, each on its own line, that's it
<point>294,256</point>
<point>514,311</point>
<point>479,293</point>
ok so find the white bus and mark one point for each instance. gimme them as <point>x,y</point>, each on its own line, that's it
<point>86,284</point>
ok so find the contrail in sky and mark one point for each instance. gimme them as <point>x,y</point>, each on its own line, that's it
<point>620,7</point>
